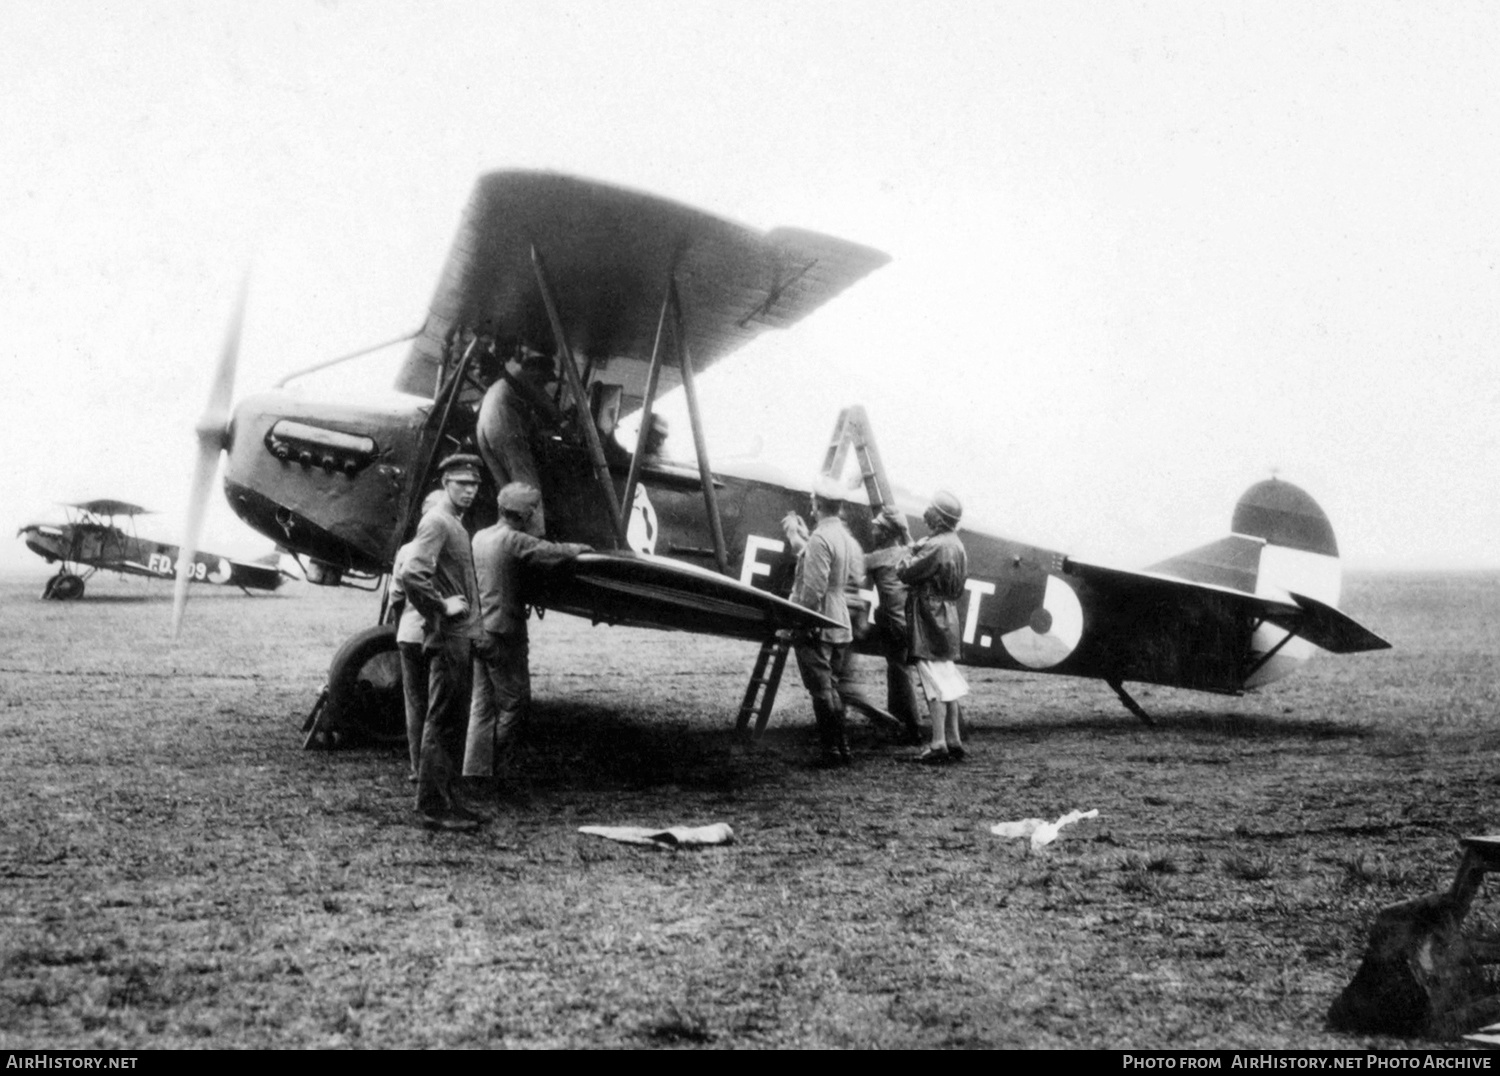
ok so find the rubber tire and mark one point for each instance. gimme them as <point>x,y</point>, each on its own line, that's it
<point>65,588</point>
<point>364,686</point>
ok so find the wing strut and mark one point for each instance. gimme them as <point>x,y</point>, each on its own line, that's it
<point>690,391</point>
<point>672,303</point>
<point>1271,653</point>
<point>643,434</point>
<point>437,423</point>
<point>580,398</point>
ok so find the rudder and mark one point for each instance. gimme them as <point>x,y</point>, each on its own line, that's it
<point>1300,552</point>
<point>1280,543</point>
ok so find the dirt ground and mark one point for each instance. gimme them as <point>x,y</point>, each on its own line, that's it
<point>178,872</point>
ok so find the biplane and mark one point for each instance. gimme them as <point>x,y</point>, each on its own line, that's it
<point>622,296</point>
<point>90,540</point>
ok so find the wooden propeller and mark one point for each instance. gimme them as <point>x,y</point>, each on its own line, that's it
<point>213,437</point>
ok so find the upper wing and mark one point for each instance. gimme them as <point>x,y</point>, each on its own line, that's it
<point>1320,624</point>
<point>609,253</point>
<point>106,506</point>
<point>655,592</point>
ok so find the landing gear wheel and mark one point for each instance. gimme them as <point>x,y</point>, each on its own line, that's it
<point>63,587</point>
<point>364,687</point>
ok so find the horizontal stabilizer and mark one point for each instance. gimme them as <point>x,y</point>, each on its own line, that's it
<point>655,592</point>
<point>1325,626</point>
<point>1150,583</point>
<point>1317,622</point>
<point>1229,562</point>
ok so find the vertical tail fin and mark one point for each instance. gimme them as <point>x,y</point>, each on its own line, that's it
<point>1280,543</point>
<point>1300,552</point>
<point>1279,540</point>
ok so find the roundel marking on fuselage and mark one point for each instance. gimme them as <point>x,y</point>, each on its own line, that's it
<point>641,534</point>
<point>222,572</point>
<point>1054,630</point>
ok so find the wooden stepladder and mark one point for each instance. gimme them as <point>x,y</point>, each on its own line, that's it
<point>760,693</point>
<point>851,430</point>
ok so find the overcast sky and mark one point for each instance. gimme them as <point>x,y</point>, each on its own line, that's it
<point>1144,254</point>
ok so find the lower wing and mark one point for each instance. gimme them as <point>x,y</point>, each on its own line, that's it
<point>656,592</point>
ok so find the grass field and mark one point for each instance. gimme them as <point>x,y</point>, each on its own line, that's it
<point>179,873</point>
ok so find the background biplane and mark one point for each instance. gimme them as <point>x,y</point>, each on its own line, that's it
<point>91,540</point>
<point>628,295</point>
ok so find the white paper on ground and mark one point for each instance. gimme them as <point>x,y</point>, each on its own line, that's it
<point>675,837</point>
<point>1041,832</point>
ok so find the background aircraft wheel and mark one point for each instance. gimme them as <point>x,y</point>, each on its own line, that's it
<point>64,587</point>
<point>364,686</point>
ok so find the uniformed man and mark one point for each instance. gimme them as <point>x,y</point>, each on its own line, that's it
<point>935,572</point>
<point>828,565</point>
<point>509,415</point>
<point>438,579</point>
<point>506,559</point>
<point>851,693</point>
<point>410,630</point>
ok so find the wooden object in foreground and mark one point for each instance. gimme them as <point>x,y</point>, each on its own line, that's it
<point>1421,977</point>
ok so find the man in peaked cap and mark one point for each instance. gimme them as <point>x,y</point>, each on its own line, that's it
<point>438,580</point>
<point>829,563</point>
<point>506,558</point>
<point>935,572</point>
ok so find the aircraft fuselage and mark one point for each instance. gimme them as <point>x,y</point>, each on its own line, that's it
<point>1022,609</point>
<point>331,482</point>
<point>97,546</point>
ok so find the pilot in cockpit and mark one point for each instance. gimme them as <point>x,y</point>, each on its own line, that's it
<point>619,443</point>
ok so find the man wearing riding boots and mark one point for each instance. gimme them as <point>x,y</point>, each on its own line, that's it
<point>851,693</point>
<point>506,557</point>
<point>829,563</point>
<point>410,629</point>
<point>935,572</point>
<point>438,579</point>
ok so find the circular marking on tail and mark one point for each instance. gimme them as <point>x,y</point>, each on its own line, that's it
<point>1053,632</point>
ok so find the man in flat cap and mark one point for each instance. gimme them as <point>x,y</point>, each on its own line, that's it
<point>507,561</point>
<point>438,580</point>
<point>829,564</point>
<point>935,572</point>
